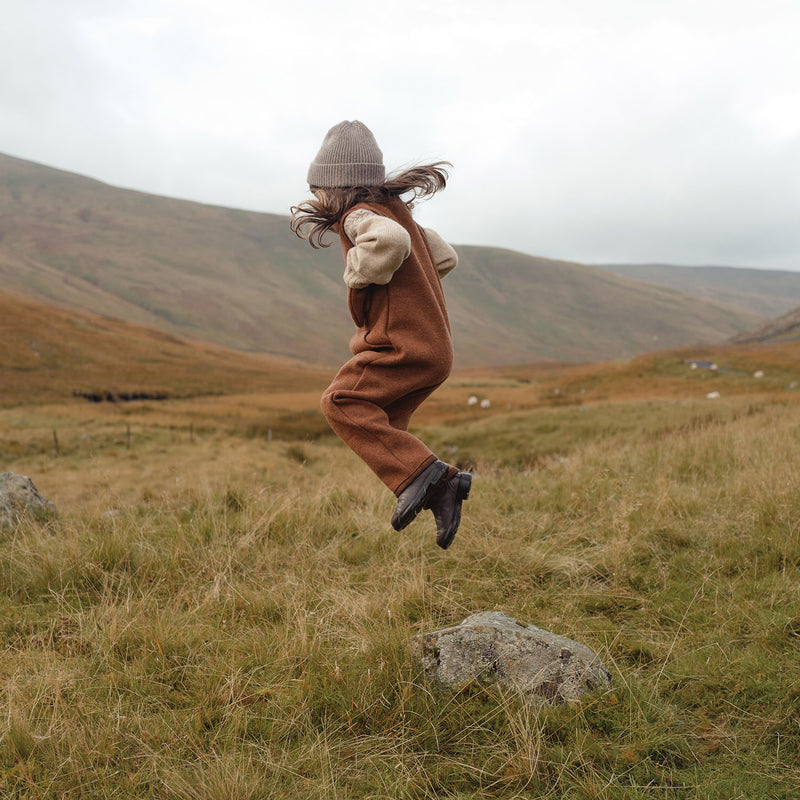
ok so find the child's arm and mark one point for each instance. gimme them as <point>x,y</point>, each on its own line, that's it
<point>444,256</point>
<point>380,246</point>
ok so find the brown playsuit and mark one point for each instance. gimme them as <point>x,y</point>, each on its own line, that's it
<point>402,351</point>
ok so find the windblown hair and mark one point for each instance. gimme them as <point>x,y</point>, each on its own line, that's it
<point>325,211</point>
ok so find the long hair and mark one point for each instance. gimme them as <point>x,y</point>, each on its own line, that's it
<point>325,211</point>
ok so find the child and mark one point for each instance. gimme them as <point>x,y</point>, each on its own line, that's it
<point>402,349</point>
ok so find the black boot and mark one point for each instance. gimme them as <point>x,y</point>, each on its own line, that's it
<point>446,506</point>
<point>412,499</point>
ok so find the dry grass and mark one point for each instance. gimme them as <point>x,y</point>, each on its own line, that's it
<point>220,615</point>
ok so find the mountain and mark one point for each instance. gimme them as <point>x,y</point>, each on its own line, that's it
<point>763,291</point>
<point>236,278</point>
<point>554,309</point>
<point>243,280</point>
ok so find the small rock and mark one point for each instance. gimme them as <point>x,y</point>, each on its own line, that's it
<point>491,647</point>
<point>19,496</point>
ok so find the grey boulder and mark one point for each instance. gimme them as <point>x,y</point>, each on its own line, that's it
<point>19,496</point>
<point>492,647</point>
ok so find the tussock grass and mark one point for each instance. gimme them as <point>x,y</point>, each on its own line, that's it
<point>229,617</point>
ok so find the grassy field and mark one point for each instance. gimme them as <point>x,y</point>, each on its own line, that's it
<point>221,610</point>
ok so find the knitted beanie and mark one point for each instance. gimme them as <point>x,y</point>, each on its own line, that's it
<point>349,156</point>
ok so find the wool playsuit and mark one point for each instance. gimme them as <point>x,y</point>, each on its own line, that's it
<point>402,351</point>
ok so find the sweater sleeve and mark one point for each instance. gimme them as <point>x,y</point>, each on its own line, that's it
<point>444,256</point>
<point>380,246</point>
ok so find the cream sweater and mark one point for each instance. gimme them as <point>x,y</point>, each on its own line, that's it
<point>381,245</point>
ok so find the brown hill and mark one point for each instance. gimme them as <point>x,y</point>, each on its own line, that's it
<point>785,328</point>
<point>768,292</point>
<point>243,280</point>
<point>49,354</point>
<point>536,309</point>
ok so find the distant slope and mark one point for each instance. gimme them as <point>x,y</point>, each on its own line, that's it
<point>762,291</point>
<point>785,328</point>
<point>556,309</point>
<point>243,280</point>
<point>49,353</point>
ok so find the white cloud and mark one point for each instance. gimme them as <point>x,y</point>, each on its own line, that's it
<point>594,131</point>
<point>777,120</point>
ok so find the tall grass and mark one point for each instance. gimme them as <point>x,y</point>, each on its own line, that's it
<point>228,619</point>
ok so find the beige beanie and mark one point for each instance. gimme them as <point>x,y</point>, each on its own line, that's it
<point>349,156</point>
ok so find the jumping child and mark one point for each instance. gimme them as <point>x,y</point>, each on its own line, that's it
<point>402,349</point>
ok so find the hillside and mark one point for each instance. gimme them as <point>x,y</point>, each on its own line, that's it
<point>51,354</point>
<point>763,291</point>
<point>243,280</point>
<point>48,354</point>
<point>554,309</point>
<point>785,328</point>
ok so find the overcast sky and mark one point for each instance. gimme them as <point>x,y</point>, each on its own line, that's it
<point>587,130</point>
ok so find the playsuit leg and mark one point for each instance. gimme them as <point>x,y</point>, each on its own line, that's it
<point>369,405</point>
